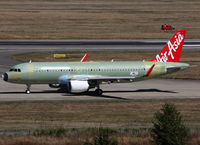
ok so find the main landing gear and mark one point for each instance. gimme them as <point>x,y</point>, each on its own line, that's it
<point>28,89</point>
<point>98,91</point>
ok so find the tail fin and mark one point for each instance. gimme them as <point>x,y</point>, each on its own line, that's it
<point>172,50</point>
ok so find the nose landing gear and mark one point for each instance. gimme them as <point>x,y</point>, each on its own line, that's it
<point>28,89</point>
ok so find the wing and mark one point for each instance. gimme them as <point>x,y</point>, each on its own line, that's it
<point>100,78</point>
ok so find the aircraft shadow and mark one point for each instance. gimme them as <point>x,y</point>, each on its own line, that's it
<point>141,90</point>
<point>92,93</point>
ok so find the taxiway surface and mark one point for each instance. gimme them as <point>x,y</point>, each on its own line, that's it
<point>155,89</point>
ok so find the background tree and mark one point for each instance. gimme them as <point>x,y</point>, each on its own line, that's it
<point>168,127</point>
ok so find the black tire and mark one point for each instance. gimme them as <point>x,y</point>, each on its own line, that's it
<point>98,92</point>
<point>27,91</point>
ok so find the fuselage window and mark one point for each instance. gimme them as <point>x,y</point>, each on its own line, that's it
<point>19,70</point>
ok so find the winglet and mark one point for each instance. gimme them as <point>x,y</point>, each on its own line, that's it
<point>150,70</point>
<point>84,57</point>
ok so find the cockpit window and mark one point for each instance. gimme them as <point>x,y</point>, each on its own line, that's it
<point>15,70</point>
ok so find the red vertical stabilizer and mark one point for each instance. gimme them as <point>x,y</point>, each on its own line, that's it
<point>172,50</point>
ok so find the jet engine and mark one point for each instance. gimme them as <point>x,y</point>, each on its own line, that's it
<point>79,86</point>
<point>74,86</point>
<point>63,79</point>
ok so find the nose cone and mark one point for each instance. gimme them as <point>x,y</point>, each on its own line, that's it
<point>5,77</point>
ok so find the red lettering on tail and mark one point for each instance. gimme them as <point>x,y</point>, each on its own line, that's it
<point>172,50</point>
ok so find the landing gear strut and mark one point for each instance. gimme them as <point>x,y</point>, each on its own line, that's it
<point>28,89</point>
<point>98,91</point>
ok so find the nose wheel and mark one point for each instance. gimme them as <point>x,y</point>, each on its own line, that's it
<point>28,92</point>
<point>28,89</point>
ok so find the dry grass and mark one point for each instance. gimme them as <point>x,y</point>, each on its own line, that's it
<point>191,57</point>
<point>67,19</point>
<point>23,116</point>
<point>128,118</point>
<point>72,139</point>
<point>78,138</point>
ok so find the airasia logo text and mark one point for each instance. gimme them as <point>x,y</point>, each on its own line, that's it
<point>163,57</point>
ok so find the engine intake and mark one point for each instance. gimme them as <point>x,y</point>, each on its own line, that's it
<point>63,79</point>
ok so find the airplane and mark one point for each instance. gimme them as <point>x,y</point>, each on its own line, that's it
<point>77,77</point>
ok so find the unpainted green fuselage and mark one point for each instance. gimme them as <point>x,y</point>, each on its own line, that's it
<point>50,72</point>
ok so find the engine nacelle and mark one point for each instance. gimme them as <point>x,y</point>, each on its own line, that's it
<point>63,79</point>
<point>79,86</point>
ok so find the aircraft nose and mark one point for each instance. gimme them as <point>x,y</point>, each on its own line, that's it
<point>5,77</point>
